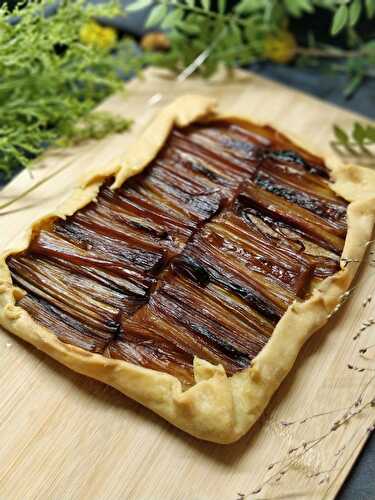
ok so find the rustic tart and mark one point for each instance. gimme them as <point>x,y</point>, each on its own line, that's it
<point>189,276</point>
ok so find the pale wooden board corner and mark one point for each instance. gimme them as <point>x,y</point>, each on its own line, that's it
<point>63,436</point>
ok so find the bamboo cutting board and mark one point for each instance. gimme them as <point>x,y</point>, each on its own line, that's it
<point>63,436</point>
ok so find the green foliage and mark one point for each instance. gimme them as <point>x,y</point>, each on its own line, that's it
<point>340,19</point>
<point>95,125</point>
<point>346,13</point>
<point>239,35</point>
<point>361,136</point>
<point>157,15</point>
<point>138,5</point>
<point>233,38</point>
<point>50,80</point>
<point>349,12</point>
<point>358,65</point>
<point>298,7</point>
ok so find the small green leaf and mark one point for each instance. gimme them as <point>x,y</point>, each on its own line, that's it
<point>353,85</point>
<point>189,25</point>
<point>172,19</point>
<point>222,4</point>
<point>307,5</point>
<point>370,133</point>
<point>340,19</point>
<point>249,6</point>
<point>191,3</point>
<point>156,15</point>
<point>292,8</point>
<point>206,4</point>
<point>355,12</point>
<point>370,8</point>
<point>359,133</point>
<point>138,5</point>
<point>340,134</point>
<point>297,7</point>
<point>236,34</point>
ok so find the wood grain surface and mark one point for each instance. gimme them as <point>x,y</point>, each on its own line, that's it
<point>63,436</point>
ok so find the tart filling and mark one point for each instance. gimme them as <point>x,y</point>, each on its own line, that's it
<point>199,255</point>
<point>191,282</point>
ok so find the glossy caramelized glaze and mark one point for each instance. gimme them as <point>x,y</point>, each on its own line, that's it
<point>201,254</point>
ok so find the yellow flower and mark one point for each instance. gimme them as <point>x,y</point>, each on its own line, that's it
<point>95,35</point>
<point>280,48</point>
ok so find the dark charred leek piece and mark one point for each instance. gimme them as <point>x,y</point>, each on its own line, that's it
<point>200,255</point>
<point>149,349</point>
<point>285,214</point>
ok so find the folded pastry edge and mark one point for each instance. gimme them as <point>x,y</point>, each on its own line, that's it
<point>217,408</point>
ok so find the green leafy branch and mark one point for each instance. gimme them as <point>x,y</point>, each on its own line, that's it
<point>346,13</point>
<point>255,30</point>
<point>360,137</point>
<point>192,26</point>
<point>349,12</point>
<point>50,80</point>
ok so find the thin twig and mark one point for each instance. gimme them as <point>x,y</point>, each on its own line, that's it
<point>356,408</point>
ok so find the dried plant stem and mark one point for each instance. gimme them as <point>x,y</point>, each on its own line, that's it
<point>303,420</point>
<point>298,452</point>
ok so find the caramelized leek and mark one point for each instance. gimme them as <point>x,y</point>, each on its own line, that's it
<point>199,255</point>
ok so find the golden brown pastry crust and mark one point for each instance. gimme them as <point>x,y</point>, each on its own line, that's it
<point>217,408</point>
